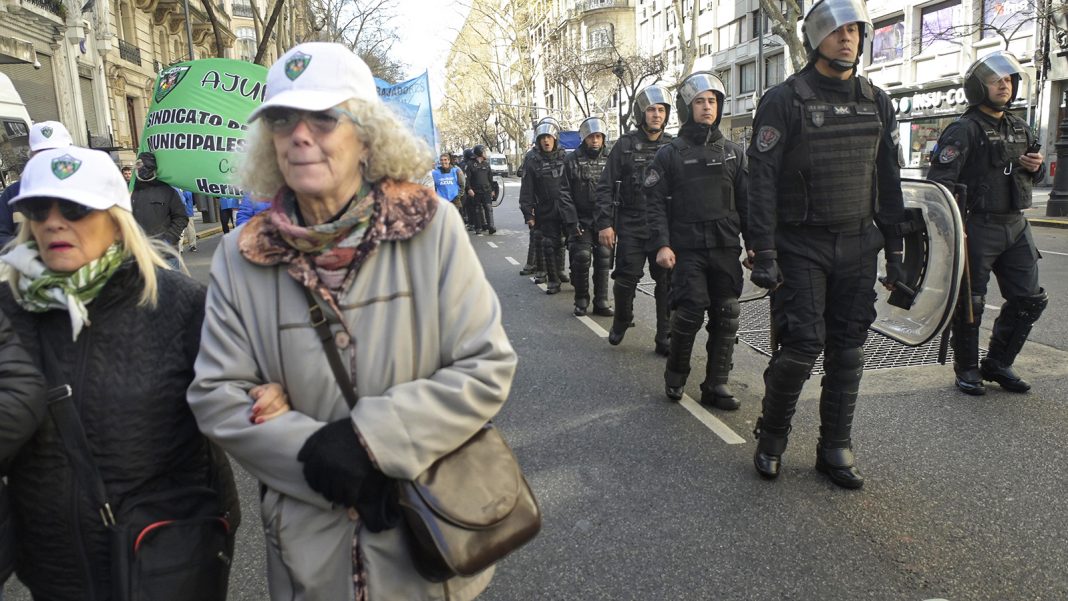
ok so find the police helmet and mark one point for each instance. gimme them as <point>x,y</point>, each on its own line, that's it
<point>593,125</point>
<point>647,97</point>
<point>991,67</point>
<point>547,127</point>
<point>694,84</point>
<point>469,153</point>
<point>827,15</point>
<point>479,150</point>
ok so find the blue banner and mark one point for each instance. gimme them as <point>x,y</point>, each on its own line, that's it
<point>411,100</point>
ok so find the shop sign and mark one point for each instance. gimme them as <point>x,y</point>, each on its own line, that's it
<point>934,102</point>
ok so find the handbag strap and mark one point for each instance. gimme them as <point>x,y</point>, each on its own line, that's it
<point>72,435</point>
<point>321,322</point>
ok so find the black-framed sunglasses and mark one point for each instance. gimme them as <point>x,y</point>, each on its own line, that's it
<point>38,209</point>
<point>282,120</point>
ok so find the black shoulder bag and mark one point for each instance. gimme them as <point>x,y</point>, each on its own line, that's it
<point>470,508</point>
<point>169,545</point>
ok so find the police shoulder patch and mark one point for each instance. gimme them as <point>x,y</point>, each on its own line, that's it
<point>948,154</point>
<point>767,138</point>
<point>652,177</point>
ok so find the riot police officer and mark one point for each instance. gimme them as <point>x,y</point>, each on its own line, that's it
<point>697,193</point>
<point>480,190</point>
<point>539,197</point>
<point>535,264</point>
<point>467,201</point>
<point>582,172</point>
<point>992,152</point>
<point>622,221</point>
<point>825,148</point>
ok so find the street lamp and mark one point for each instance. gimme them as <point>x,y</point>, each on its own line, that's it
<point>1058,198</point>
<point>619,70</point>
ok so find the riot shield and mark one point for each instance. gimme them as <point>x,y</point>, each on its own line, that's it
<point>934,263</point>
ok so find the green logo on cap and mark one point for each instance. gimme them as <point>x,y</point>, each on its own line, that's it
<point>296,65</point>
<point>46,132</point>
<point>168,80</point>
<point>65,166</point>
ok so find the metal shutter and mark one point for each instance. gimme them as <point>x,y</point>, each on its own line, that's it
<point>36,87</point>
<point>88,104</point>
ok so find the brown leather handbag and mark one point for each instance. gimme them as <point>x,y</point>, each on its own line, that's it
<point>470,508</point>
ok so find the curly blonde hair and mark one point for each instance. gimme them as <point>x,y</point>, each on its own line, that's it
<point>146,252</point>
<point>393,152</point>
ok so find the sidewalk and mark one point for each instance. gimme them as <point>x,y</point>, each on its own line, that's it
<point>205,230</point>
<point>1037,213</point>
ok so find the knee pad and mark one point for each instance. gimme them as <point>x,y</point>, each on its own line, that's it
<point>1027,309</point>
<point>625,282</point>
<point>843,368</point>
<point>581,258</point>
<point>789,367</point>
<point>687,321</point>
<point>723,315</point>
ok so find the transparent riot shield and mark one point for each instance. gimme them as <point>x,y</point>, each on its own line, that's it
<point>934,263</point>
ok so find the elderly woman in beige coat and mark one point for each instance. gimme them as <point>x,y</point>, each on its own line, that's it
<point>419,330</point>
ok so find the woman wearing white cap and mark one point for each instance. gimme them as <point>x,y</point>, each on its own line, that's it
<point>98,310</point>
<point>416,323</point>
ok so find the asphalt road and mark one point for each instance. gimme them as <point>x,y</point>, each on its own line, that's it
<point>649,500</point>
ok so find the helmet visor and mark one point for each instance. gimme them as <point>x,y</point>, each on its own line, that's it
<point>700,82</point>
<point>828,15</point>
<point>593,125</point>
<point>650,96</point>
<point>547,128</point>
<point>995,66</point>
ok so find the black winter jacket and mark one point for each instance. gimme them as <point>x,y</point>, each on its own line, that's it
<point>22,406</point>
<point>129,371</point>
<point>160,211</point>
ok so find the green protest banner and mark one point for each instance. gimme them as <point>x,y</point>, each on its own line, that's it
<point>197,121</point>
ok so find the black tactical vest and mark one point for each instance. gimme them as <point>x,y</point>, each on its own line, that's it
<point>706,190</point>
<point>984,189</point>
<point>636,159</point>
<point>829,176</point>
<point>589,172</point>
<point>479,173</point>
<point>548,177</point>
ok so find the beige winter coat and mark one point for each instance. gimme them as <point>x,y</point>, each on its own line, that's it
<point>432,364</point>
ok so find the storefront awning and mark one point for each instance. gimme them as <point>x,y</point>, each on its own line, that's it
<point>13,51</point>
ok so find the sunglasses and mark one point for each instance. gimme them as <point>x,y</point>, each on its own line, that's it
<point>38,209</point>
<point>284,120</point>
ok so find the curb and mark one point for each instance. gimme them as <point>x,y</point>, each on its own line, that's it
<point>1055,223</point>
<point>211,231</point>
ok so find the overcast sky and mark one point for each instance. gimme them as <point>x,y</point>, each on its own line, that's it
<point>427,29</point>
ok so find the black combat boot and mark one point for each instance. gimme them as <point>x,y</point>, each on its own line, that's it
<point>487,209</point>
<point>540,274</point>
<point>1011,329</point>
<point>552,269</point>
<point>662,341</point>
<point>783,380</point>
<point>624,293</point>
<point>965,343</point>
<point>838,400</point>
<point>722,336</point>
<point>580,279</point>
<point>684,328</point>
<point>601,269</point>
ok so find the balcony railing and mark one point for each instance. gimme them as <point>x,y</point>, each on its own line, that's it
<point>55,7</point>
<point>585,5</point>
<point>243,10</point>
<point>130,53</point>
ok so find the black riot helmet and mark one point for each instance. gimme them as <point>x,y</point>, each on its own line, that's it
<point>479,151</point>
<point>694,84</point>
<point>469,154</point>
<point>647,97</point>
<point>826,16</point>
<point>593,125</point>
<point>988,69</point>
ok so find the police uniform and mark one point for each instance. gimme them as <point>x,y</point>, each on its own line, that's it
<point>981,152</point>
<point>535,264</point>
<point>823,150</point>
<point>479,180</point>
<point>697,193</point>
<point>582,172</point>
<point>635,242</point>
<point>539,199</point>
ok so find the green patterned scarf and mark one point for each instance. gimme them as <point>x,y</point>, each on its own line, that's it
<point>41,289</point>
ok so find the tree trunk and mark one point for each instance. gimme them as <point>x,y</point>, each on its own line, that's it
<point>785,26</point>
<point>210,10</point>
<point>262,50</point>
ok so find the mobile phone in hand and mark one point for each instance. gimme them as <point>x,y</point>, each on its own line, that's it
<point>1034,147</point>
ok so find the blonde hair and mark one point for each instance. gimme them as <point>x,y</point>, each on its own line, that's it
<point>393,152</point>
<point>146,252</point>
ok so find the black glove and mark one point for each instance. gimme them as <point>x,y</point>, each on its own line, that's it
<point>766,272</point>
<point>338,467</point>
<point>895,269</point>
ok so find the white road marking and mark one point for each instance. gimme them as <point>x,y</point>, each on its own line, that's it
<point>1052,252</point>
<point>543,287</point>
<point>511,260</point>
<point>593,325</point>
<point>710,421</point>
<point>491,245</point>
<point>992,308</point>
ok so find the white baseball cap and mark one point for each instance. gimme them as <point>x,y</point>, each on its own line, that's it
<point>315,76</point>
<point>49,134</point>
<point>87,177</point>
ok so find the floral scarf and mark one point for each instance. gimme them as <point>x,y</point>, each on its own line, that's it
<point>41,289</point>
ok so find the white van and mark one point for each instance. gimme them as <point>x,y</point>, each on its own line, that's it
<point>498,164</point>
<point>14,131</point>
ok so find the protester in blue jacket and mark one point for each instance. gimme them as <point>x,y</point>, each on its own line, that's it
<point>248,208</point>
<point>227,204</point>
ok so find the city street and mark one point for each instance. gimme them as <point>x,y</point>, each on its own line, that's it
<point>644,499</point>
